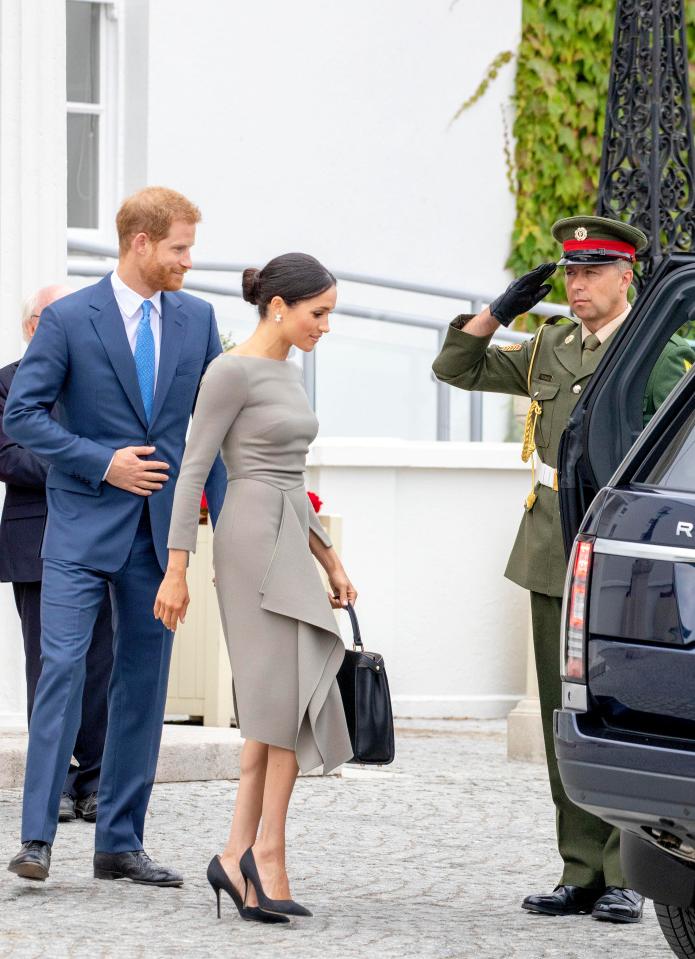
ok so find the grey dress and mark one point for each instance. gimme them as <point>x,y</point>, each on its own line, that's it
<point>283,641</point>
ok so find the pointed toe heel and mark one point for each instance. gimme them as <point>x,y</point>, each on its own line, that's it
<point>219,880</point>
<point>278,907</point>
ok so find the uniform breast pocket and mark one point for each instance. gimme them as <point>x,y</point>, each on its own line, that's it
<point>546,395</point>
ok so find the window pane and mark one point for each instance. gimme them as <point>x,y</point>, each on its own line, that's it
<point>676,358</point>
<point>83,170</point>
<point>83,51</point>
<point>676,467</point>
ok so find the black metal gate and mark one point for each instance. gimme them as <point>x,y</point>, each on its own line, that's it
<point>647,165</point>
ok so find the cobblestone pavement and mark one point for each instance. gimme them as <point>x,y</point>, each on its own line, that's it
<point>430,861</point>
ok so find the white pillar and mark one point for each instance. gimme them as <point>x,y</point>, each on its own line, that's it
<point>524,727</point>
<point>33,203</point>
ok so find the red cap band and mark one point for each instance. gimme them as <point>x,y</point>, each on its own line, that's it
<point>610,246</point>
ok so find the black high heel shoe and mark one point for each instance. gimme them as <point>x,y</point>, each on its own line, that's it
<point>219,880</point>
<point>279,907</point>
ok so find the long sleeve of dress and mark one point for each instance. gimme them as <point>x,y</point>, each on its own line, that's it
<point>222,395</point>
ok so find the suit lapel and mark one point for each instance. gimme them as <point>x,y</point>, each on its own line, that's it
<point>108,323</point>
<point>569,349</point>
<point>173,332</point>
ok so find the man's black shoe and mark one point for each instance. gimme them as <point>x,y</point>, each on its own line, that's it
<point>136,866</point>
<point>86,808</point>
<point>563,901</point>
<point>66,812</point>
<point>32,861</point>
<point>619,905</point>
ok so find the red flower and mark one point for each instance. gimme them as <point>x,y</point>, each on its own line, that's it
<point>315,501</point>
<point>203,501</point>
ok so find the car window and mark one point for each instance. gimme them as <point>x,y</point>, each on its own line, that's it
<point>675,468</point>
<point>674,361</point>
<point>647,360</point>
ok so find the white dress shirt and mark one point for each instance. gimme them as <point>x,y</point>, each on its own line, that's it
<point>130,304</point>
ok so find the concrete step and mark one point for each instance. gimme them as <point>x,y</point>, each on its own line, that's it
<point>187,754</point>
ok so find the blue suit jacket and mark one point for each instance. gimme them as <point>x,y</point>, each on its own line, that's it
<point>80,365</point>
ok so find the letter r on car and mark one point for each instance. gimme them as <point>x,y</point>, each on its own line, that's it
<point>686,528</point>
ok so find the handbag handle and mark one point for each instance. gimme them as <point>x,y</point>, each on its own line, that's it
<point>356,637</point>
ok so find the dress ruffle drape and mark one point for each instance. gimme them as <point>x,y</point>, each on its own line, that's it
<point>293,588</point>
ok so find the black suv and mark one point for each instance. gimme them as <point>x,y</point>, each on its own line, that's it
<point>625,737</point>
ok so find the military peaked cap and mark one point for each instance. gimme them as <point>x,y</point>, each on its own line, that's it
<point>597,239</point>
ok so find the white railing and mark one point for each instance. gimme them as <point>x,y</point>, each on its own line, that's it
<point>90,266</point>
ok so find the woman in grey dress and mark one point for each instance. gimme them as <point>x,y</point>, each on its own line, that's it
<point>284,644</point>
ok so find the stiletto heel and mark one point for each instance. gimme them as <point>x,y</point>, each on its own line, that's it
<point>219,880</point>
<point>278,907</point>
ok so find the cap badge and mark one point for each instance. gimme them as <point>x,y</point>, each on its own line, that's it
<point>580,233</point>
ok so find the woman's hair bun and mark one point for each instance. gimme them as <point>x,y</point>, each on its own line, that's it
<point>250,285</point>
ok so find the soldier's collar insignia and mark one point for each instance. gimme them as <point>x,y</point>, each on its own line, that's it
<point>570,338</point>
<point>580,233</point>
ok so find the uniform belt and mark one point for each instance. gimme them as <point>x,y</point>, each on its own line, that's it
<point>546,475</point>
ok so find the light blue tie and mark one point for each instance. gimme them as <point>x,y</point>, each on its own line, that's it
<point>144,358</point>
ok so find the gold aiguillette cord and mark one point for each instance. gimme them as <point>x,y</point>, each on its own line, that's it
<point>529,444</point>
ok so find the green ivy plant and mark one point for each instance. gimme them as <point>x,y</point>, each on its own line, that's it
<point>490,74</point>
<point>563,67</point>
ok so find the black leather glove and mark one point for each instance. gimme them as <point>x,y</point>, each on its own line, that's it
<point>523,294</point>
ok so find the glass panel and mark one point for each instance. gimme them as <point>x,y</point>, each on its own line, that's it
<point>673,363</point>
<point>83,170</point>
<point>83,21</point>
<point>676,467</point>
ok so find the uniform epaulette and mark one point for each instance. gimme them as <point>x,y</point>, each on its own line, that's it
<point>558,318</point>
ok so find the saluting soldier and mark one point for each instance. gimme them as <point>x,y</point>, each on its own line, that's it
<point>553,369</point>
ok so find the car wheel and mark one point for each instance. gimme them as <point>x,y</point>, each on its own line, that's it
<point>678,926</point>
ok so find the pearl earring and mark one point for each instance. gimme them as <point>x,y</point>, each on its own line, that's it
<point>278,317</point>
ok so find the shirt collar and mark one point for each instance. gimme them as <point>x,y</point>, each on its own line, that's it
<point>128,300</point>
<point>609,328</point>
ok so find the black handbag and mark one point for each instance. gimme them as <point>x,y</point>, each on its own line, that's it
<point>367,701</point>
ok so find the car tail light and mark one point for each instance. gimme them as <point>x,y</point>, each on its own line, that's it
<point>577,612</point>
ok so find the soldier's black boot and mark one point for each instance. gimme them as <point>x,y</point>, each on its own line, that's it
<point>563,901</point>
<point>619,905</point>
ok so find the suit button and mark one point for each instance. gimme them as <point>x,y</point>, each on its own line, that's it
<point>576,388</point>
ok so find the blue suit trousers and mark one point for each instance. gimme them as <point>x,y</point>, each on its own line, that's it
<point>71,597</point>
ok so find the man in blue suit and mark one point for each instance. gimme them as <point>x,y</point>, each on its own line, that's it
<point>119,363</point>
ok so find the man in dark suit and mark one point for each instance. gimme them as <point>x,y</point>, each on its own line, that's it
<point>21,532</point>
<point>121,361</point>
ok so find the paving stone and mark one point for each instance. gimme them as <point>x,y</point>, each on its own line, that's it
<point>428,861</point>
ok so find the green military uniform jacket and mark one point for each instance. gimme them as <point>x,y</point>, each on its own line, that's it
<point>557,380</point>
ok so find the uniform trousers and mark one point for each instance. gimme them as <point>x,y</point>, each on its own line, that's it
<point>590,848</point>
<point>81,779</point>
<point>71,597</point>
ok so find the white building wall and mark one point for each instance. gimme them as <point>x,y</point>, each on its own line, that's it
<point>32,222</point>
<point>325,127</point>
<point>427,531</point>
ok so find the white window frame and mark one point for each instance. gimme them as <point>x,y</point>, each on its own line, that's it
<point>107,111</point>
